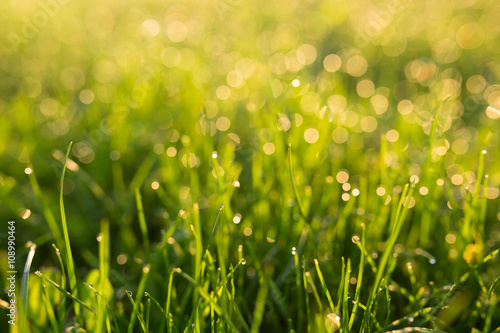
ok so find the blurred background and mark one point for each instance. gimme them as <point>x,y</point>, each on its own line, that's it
<point>148,91</point>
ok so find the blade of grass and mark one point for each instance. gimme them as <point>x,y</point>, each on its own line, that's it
<point>306,296</point>
<point>50,311</point>
<point>67,246</point>
<point>23,313</point>
<point>142,225</point>
<point>140,292</point>
<point>62,307</point>
<point>300,296</point>
<point>318,300</point>
<point>323,285</point>
<point>345,298</point>
<point>169,297</point>
<point>135,312</point>
<point>64,292</point>
<point>359,281</point>
<point>214,228</point>
<point>103,270</point>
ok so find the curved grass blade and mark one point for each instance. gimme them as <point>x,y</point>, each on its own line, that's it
<point>23,314</point>
<point>64,292</point>
<point>69,256</point>
<point>136,312</point>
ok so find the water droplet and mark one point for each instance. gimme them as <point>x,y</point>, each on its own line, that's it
<point>355,239</point>
<point>389,298</point>
<point>90,285</point>
<point>96,293</point>
<point>243,261</point>
<point>484,151</point>
<point>411,319</point>
<point>432,261</point>
<point>270,239</point>
<point>380,289</point>
<point>294,250</point>
<point>129,292</point>
<point>332,322</point>
<point>221,207</point>
<point>146,294</point>
<point>348,295</point>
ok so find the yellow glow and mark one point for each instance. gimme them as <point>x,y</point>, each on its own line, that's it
<point>365,88</point>
<point>332,63</point>
<point>342,177</point>
<point>311,135</point>
<point>356,66</point>
<point>269,148</point>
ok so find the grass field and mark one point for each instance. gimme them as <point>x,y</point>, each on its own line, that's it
<point>251,166</point>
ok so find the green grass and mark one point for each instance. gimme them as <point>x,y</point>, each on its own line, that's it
<point>302,166</point>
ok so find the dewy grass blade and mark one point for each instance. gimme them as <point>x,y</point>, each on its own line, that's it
<point>359,281</point>
<point>69,256</point>
<point>103,239</point>
<point>140,292</point>
<point>64,292</point>
<point>306,294</point>
<point>345,299</point>
<point>23,313</point>
<point>62,307</point>
<point>300,296</point>
<point>169,298</point>
<point>135,312</point>
<point>217,219</point>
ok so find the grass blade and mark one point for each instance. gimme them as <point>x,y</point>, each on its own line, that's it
<point>142,224</point>
<point>140,292</point>
<point>23,313</point>
<point>64,292</point>
<point>69,256</point>
<point>50,311</point>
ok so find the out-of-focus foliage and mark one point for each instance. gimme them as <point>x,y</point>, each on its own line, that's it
<point>149,90</point>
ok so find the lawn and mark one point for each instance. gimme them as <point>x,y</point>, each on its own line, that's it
<point>250,166</point>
